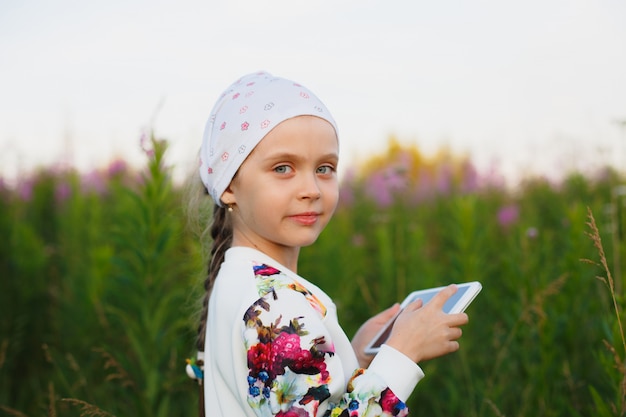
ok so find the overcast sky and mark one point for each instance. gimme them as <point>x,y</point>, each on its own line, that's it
<point>537,85</point>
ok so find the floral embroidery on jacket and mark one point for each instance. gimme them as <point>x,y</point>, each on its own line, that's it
<point>287,366</point>
<point>270,279</point>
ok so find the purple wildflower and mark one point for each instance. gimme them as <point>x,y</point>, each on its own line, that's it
<point>346,190</point>
<point>444,179</point>
<point>471,180</point>
<point>358,240</point>
<point>94,182</point>
<point>62,191</point>
<point>346,195</point>
<point>493,178</point>
<point>376,188</point>
<point>116,167</point>
<point>145,142</point>
<point>25,189</point>
<point>384,184</point>
<point>423,189</point>
<point>508,215</point>
<point>395,177</point>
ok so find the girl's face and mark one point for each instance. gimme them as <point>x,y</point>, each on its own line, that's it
<point>286,191</point>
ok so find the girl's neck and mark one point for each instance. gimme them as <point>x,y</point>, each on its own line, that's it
<point>285,255</point>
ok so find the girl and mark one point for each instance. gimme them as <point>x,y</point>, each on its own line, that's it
<point>269,340</point>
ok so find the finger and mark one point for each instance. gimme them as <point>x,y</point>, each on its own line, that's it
<point>415,305</point>
<point>458,319</point>
<point>442,296</point>
<point>453,346</point>
<point>455,333</point>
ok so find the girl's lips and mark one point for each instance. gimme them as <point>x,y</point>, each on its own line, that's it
<point>306,219</point>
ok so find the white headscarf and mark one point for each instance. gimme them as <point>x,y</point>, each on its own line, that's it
<point>242,116</point>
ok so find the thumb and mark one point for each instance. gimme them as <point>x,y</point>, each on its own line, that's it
<point>389,312</point>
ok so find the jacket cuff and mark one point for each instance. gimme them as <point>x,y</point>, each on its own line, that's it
<point>399,372</point>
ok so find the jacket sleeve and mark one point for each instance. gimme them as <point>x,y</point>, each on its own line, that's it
<point>293,370</point>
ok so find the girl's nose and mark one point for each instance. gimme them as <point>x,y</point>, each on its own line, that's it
<point>310,188</point>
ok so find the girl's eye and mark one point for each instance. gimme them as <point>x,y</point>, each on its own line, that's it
<point>325,170</point>
<point>282,169</point>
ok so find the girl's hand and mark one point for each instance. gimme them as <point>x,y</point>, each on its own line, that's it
<point>424,333</point>
<point>368,330</point>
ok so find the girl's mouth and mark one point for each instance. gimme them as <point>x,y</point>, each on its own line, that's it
<point>306,219</point>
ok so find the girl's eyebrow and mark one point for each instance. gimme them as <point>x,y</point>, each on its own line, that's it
<point>289,156</point>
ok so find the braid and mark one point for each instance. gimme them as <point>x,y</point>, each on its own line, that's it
<point>221,236</point>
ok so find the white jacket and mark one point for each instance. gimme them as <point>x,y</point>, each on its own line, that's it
<point>274,347</point>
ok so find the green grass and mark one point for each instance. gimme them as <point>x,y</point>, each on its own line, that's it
<point>100,280</point>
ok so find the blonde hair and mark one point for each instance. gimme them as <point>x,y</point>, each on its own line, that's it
<point>211,224</point>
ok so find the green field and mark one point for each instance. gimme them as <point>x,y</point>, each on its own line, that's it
<point>100,280</point>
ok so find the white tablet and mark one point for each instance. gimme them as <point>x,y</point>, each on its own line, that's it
<point>464,295</point>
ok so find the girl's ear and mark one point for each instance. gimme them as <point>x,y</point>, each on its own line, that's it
<point>228,197</point>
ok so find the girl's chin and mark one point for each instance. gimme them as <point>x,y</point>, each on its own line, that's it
<point>301,243</point>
